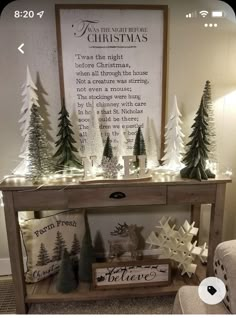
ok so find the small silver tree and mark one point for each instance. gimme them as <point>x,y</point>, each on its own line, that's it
<point>40,159</point>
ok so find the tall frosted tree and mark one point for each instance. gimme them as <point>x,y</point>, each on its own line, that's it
<point>39,156</point>
<point>107,152</point>
<point>87,255</point>
<point>99,245</point>
<point>94,144</point>
<point>65,154</point>
<point>151,144</point>
<point>66,279</point>
<point>197,153</point>
<point>30,98</point>
<point>211,123</point>
<point>139,146</point>
<point>174,146</point>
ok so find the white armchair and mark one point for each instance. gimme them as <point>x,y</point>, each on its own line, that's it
<point>187,300</point>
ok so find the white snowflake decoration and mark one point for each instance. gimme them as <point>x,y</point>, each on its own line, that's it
<point>111,167</point>
<point>177,245</point>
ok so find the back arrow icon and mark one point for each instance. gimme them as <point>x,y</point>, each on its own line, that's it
<point>20,48</point>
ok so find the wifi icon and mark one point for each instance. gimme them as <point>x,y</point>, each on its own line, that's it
<point>203,13</point>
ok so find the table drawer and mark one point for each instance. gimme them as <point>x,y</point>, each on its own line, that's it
<point>116,196</point>
<point>40,200</point>
<point>192,194</point>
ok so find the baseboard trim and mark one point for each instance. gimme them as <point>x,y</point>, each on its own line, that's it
<point>5,266</point>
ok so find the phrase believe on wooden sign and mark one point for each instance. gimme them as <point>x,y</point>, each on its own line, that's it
<point>131,274</point>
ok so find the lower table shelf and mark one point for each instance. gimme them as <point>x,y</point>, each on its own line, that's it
<point>45,290</point>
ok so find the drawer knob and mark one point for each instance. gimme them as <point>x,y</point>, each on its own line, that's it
<point>117,195</point>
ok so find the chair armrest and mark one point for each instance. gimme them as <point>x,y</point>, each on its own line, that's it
<point>225,269</point>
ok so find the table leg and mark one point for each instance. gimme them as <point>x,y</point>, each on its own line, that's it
<point>15,251</point>
<point>216,226</point>
<point>195,217</point>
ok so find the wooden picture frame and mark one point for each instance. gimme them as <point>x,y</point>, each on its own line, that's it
<point>130,274</point>
<point>114,57</point>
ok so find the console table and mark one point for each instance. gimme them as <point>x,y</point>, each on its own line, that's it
<point>24,196</point>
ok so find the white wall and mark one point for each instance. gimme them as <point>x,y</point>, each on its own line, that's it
<point>195,54</point>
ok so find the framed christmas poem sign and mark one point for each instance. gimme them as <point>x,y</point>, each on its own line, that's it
<point>131,274</point>
<point>114,58</point>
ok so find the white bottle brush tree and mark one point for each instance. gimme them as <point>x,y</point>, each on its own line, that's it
<point>30,98</point>
<point>174,145</point>
<point>94,144</point>
<point>152,150</point>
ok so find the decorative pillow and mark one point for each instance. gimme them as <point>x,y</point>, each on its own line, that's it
<point>46,238</point>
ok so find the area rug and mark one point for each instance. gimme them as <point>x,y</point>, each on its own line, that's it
<point>7,296</point>
<point>146,305</point>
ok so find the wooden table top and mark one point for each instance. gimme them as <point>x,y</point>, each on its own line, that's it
<point>10,184</point>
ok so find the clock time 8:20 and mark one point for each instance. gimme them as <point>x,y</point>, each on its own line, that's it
<point>27,14</point>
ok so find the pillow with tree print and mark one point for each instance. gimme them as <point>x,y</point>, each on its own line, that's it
<point>45,239</point>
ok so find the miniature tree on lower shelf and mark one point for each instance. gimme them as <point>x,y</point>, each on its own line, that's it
<point>66,280</point>
<point>87,255</point>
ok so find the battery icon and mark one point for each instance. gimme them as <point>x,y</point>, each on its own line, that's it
<point>217,14</point>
